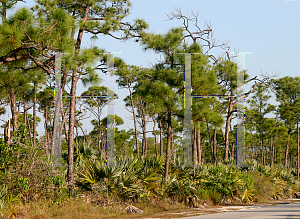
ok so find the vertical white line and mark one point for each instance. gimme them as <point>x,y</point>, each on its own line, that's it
<point>110,144</point>
<point>188,156</point>
<point>57,113</point>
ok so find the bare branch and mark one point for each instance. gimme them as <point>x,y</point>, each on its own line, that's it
<point>205,35</point>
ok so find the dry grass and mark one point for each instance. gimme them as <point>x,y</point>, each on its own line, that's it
<point>79,208</point>
<point>69,209</point>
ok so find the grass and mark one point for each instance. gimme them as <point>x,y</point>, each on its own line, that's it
<point>80,208</point>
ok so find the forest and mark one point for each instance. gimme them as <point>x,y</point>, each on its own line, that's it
<point>149,157</point>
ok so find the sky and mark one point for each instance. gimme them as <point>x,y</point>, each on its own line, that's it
<point>268,28</point>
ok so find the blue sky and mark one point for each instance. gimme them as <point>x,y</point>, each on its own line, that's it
<point>268,28</point>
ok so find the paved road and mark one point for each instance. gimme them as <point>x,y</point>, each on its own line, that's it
<point>287,211</point>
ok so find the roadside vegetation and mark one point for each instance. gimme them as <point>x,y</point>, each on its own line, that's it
<point>32,187</point>
<point>149,173</point>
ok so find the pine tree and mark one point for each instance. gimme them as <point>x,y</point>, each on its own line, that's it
<point>288,95</point>
<point>96,105</point>
<point>259,107</point>
<point>95,17</point>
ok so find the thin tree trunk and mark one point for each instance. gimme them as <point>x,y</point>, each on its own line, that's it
<point>26,121</point>
<point>155,137</point>
<point>73,106</point>
<point>85,137</point>
<point>215,160</point>
<point>168,151</point>
<point>34,116</point>
<point>195,152</point>
<point>287,150</point>
<point>76,128</point>
<point>272,151</point>
<point>46,128</point>
<point>3,11</point>
<point>227,127</point>
<point>199,146</point>
<point>99,137</point>
<point>275,154</point>
<point>29,128</point>
<point>7,136</point>
<point>66,131</point>
<point>144,124</point>
<point>71,133</point>
<point>103,145</point>
<point>262,150</point>
<point>210,143</point>
<point>25,112</point>
<point>64,123</point>
<point>232,150</point>
<point>143,145</point>
<point>13,109</point>
<point>172,144</point>
<point>280,156</point>
<point>135,123</point>
<point>161,139</point>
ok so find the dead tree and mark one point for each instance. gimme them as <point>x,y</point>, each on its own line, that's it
<point>203,36</point>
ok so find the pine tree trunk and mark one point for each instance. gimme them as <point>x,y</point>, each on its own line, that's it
<point>13,109</point>
<point>134,121</point>
<point>211,145</point>
<point>25,112</point>
<point>7,136</point>
<point>100,132</point>
<point>66,131</point>
<point>155,137</point>
<point>272,151</point>
<point>287,150</point>
<point>46,128</point>
<point>199,146</point>
<point>76,128</point>
<point>34,116</point>
<point>275,155</point>
<point>99,138</point>
<point>143,145</point>
<point>144,123</point>
<point>227,127</point>
<point>71,132</point>
<point>3,11</point>
<point>73,106</point>
<point>168,151</point>
<point>262,150</point>
<point>232,150</point>
<point>280,156</point>
<point>161,139</point>
<point>215,160</point>
<point>172,144</point>
<point>29,128</point>
<point>195,151</point>
<point>64,123</point>
<point>26,121</point>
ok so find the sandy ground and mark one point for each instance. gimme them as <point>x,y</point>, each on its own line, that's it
<point>204,210</point>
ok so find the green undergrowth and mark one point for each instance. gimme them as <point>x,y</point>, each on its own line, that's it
<point>31,186</point>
